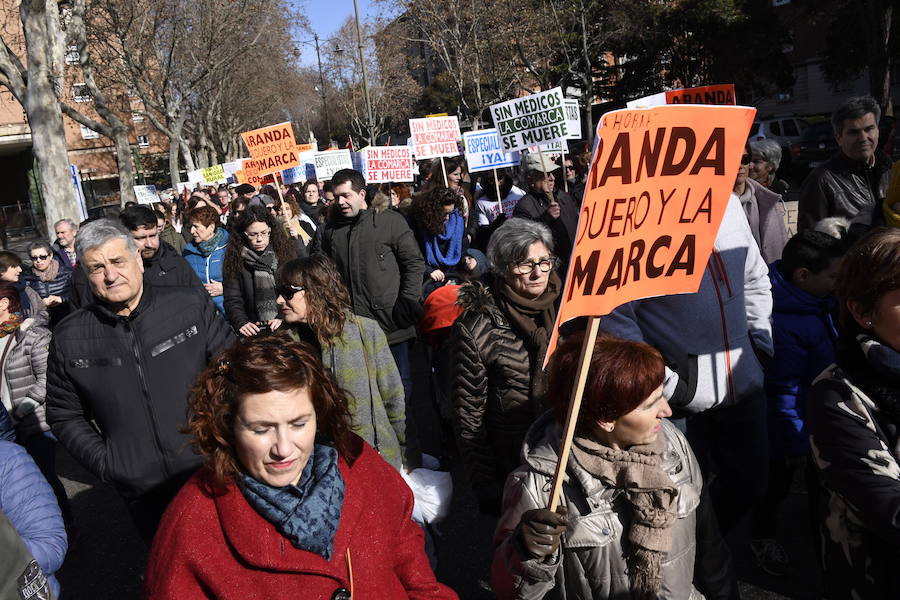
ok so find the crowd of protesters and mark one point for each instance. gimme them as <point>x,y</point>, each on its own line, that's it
<point>237,363</point>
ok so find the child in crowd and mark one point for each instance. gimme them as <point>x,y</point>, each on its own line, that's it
<point>804,336</point>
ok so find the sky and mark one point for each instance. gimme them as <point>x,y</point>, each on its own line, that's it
<point>326,16</point>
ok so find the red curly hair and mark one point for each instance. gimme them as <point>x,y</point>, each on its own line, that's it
<point>257,366</point>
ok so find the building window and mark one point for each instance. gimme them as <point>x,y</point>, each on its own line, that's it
<point>72,55</point>
<point>80,92</point>
<point>137,117</point>
<point>143,141</point>
<point>88,134</point>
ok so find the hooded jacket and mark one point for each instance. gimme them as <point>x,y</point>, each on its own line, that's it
<point>805,337</point>
<point>590,562</point>
<point>117,385</point>
<point>491,393</point>
<point>379,260</point>
<point>841,187</point>
<point>218,546</point>
<point>710,339</point>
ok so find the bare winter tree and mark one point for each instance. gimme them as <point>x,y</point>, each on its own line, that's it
<point>37,88</point>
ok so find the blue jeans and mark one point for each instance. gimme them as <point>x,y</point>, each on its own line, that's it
<point>42,448</point>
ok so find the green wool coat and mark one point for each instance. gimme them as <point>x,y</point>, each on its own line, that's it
<point>364,367</point>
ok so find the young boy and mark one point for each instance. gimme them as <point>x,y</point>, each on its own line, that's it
<point>804,337</point>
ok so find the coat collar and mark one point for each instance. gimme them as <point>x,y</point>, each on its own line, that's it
<point>260,545</point>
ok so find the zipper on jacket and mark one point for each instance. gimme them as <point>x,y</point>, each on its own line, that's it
<point>728,375</point>
<point>142,380</point>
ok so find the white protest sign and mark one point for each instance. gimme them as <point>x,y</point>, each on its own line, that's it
<point>330,162</point>
<point>573,118</point>
<point>146,194</point>
<point>484,151</point>
<point>536,119</point>
<point>552,148</point>
<point>195,176</point>
<point>385,164</point>
<point>435,136</point>
<point>648,101</point>
<point>185,185</point>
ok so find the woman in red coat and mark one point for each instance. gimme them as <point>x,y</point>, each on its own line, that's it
<point>291,504</point>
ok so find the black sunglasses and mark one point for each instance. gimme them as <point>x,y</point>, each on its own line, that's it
<point>40,256</point>
<point>745,159</point>
<point>287,291</point>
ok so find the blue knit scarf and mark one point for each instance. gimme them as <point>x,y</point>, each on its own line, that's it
<point>209,246</point>
<point>307,513</point>
<point>454,228</point>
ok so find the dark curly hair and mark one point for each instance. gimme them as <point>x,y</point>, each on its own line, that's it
<point>327,298</point>
<point>260,365</point>
<point>278,240</point>
<point>427,209</point>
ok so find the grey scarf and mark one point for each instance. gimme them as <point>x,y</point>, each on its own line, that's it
<point>263,267</point>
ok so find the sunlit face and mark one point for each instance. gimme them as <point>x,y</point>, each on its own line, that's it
<point>287,213</point>
<point>311,194</point>
<point>543,182</point>
<point>257,235</point>
<point>349,201</point>
<point>760,168</point>
<point>640,426</point>
<point>395,198</point>
<point>147,240</point>
<point>743,171</point>
<point>885,319</point>
<point>859,138</point>
<point>454,177</point>
<point>115,273</point>
<point>570,171</point>
<point>65,235</point>
<point>293,306</point>
<point>224,197</point>
<point>11,274</point>
<point>41,259</point>
<point>201,233</point>
<point>274,434</point>
<point>532,283</point>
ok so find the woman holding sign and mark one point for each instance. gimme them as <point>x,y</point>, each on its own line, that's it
<point>502,337</point>
<point>636,522</point>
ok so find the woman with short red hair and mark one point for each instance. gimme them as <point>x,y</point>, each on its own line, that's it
<point>631,504</point>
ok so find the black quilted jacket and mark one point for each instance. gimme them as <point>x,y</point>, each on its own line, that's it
<point>491,399</point>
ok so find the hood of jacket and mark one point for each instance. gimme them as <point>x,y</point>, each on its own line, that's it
<point>790,299</point>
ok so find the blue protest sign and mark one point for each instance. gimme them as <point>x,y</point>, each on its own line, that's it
<point>484,151</point>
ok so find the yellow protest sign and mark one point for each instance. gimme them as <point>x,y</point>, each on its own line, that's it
<point>213,174</point>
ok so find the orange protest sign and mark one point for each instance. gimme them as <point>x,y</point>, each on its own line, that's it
<point>305,148</point>
<point>659,183</point>
<point>710,94</point>
<point>274,148</point>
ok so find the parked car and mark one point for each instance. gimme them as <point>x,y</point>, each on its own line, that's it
<point>815,147</point>
<point>784,130</point>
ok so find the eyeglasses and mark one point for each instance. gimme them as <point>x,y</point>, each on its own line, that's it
<point>525,267</point>
<point>745,159</point>
<point>570,167</point>
<point>258,236</point>
<point>40,256</point>
<point>287,291</point>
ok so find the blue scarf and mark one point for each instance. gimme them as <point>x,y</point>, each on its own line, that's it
<point>307,513</point>
<point>453,232</point>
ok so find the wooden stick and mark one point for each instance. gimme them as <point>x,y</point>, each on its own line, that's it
<point>444,171</point>
<point>497,185</point>
<point>565,181</point>
<point>584,363</point>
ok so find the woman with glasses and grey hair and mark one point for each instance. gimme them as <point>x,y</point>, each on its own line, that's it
<point>764,210</point>
<point>765,156</point>
<point>501,340</point>
<point>50,279</point>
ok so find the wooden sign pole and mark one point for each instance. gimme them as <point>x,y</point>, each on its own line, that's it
<point>499,199</point>
<point>444,173</point>
<point>565,181</point>
<point>565,447</point>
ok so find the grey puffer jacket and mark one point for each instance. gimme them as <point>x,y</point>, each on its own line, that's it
<point>591,560</point>
<point>492,380</point>
<point>26,376</point>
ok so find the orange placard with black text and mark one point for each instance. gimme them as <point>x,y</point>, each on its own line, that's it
<point>659,182</point>
<point>273,148</point>
<point>711,94</point>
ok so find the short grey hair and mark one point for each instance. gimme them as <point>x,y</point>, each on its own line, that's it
<point>96,233</point>
<point>510,242</point>
<point>855,107</point>
<point>770,150</point>
<point>68,222</point>
<point>40,245</point>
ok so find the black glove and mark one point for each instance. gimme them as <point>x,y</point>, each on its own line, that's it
<point>540,531</point>
<point>407,312</point>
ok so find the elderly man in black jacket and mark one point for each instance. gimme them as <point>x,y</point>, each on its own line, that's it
<point>163,265</point>
<point>379,260</point>
<point>120,371</point>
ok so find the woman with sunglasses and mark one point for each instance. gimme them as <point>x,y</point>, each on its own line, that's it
<point>354,348</point>
<point>502,338</point>
<point>50,279</point>
<point>764,210</point>
<point>257,247</point>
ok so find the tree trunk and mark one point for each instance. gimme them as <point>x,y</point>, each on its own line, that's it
<point>126,168</point>
<point>45,116</point>
<point>880,59</point>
